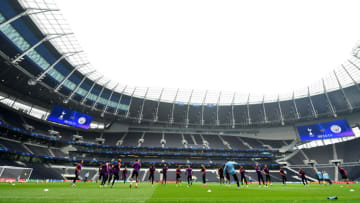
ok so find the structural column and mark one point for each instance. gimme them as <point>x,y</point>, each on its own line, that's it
<point>343,92</point>
<point>232,111</point>
<point>46,38</point>
<point>263,105</point>
<point>91,88</point>
<point>173,107</point>
<point>311,103</point>
<point>98,97</point>
<point>108,100</point>
<point>57,88</point>
<point>43,74</point>
<point>119,102</point>
<point>332,109</point>
<point>156,117</point>
<point>280,111</point>
<point>128,111</point>
<point>203,108</point>
<point>248,110</point>
<point>79,85</point>
<point>24,13</point>
<point>297,115</point>
<point>217,110</point>
<point>142,106</point>
<point>188,109</point>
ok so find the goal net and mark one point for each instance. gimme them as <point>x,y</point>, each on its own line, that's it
<point>11,173</point>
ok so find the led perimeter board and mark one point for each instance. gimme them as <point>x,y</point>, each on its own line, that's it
<point>327,130</point>
<point>68,117</point>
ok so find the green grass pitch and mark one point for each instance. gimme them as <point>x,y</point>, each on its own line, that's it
<point>91,192</point>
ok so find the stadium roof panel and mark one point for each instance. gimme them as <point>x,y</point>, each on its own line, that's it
<point>53,22</point>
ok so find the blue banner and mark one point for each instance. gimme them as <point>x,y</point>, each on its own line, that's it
<point>69,117</point>
<point>328,130</point>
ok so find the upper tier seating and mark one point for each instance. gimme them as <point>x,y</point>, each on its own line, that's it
<point>152,140</point>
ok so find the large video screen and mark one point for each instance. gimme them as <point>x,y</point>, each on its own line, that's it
<point>328,130</point>
<point>68,117</point>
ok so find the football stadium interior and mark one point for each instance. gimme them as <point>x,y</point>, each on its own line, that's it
<point>43,77</point>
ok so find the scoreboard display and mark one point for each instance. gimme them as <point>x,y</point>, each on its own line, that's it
<point>327,130</point>
<point>69,117</point>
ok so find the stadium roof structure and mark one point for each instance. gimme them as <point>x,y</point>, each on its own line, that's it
<point>38,43</point>
<point>53,22</point>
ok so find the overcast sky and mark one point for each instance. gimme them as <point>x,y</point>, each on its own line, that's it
<point>256,46</point>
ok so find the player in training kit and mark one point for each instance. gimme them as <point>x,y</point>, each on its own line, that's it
<point>101,176</point>
<point>189,175</point>
<point>178,175</point>
<point>242,176</point>
<point>283,175</point>
<point>343,174</point>
<point>111,173</point>
<point>105,173</point>
<point>77,172</point>
<point>221,175</point>
<point>152,170</point>
<point>227,175</point>
<point>259,175</point>
<point>203,172</point>
<point>86,176</point>
<point>302,175</point>
<point>164,172</point>
<point>230,167</point>
<point>326,177</point>
<point>135,173</point>
<point>124,174</point>
<point>267,175</point>
<point>116,171</point>
<point>319,177</point>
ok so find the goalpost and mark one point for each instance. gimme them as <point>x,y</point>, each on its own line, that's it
<point>12,173</point>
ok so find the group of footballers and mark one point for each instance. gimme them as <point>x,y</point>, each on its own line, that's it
<point>229,170</point>
<point>323,177</point>
<point>109,172</point>
<point>178,171</point>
